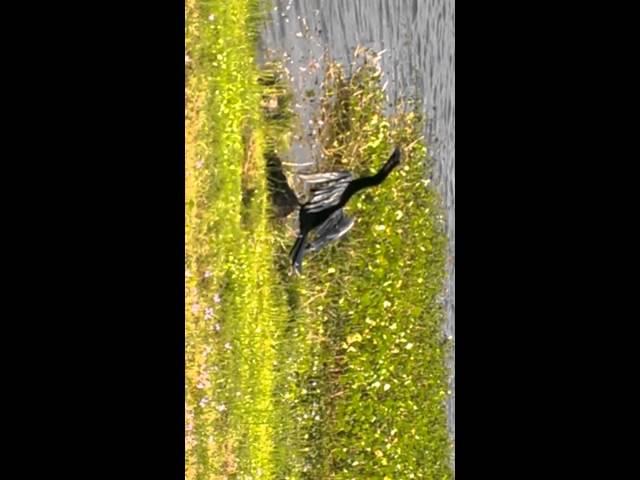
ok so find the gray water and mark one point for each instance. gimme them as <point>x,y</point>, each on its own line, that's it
<point>418,39</point>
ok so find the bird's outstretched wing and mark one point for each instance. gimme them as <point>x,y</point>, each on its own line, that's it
<point>319,178</point>
<point>325,189</point>
<point>334,228</point>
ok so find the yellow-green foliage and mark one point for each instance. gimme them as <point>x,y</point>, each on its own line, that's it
<point>340,373</point>
<point>232,304</point>
<point>378,299</point>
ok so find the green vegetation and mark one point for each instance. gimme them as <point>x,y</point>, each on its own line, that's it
<point>336,374</point>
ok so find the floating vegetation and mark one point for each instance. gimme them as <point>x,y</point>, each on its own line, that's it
<point>339,373</point>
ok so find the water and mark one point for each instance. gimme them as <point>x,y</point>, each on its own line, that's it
<point>418,37</point>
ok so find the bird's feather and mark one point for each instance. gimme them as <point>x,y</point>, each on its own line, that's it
<point>334,228</point>
<point>325,189</point>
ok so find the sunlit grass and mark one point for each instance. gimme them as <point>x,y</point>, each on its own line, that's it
<point>340,373</point>
<point>379,390</point>
<point>232,303</point>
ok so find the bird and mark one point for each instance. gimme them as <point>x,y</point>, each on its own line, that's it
<point>323,212</point>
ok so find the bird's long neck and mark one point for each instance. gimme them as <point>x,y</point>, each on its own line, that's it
<point>371,181</point>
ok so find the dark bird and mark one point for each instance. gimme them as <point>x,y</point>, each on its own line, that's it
<point>323,212</point>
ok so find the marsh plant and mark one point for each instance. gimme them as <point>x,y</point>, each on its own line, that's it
<point>339,373</point>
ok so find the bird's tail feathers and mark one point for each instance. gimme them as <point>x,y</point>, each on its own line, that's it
<point>297,253</point>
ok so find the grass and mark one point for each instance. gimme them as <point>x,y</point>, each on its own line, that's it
<point>230,328</point>
<point>339,373</point>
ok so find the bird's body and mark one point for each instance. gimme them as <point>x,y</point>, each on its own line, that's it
<point>334,227</point>
<point>323,212</point>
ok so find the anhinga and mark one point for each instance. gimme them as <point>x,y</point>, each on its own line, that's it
<point>323,212</point>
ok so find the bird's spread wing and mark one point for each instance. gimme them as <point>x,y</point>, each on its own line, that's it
<point>334,228</point>
<point>325,189</point>
<point>315,178</point>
